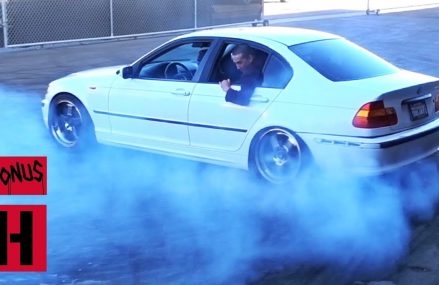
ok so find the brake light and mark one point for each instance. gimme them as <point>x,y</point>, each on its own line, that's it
<point>436,101</point>
<point>375,115</point>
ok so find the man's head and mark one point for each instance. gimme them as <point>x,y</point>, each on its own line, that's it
<point>243,56</point>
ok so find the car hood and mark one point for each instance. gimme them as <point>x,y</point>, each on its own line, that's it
<point>78,82</point>
<point>97,72</point>
<point>102,77</point>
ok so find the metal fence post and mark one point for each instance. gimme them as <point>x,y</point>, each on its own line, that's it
<point>4,23</point>
<point>371,11</point>
<point>111,19</point>
<point>195,14</point>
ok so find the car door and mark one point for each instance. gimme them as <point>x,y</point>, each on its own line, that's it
<point>150,108</point>
<point>217,124</point>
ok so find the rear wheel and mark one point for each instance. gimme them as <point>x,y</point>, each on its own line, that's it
<point>69,122</point>
<point>277,155</point>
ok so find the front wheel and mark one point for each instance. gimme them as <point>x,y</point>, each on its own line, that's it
<point>277,155</point>
<point>69,122</point>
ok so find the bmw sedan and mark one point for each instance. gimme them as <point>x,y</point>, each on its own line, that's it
<point>323,101</point>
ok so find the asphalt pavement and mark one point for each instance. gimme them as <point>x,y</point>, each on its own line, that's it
<point>408,39</point>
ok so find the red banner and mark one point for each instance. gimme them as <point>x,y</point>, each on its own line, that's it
<point>23,240</point>
<point>23,175</point>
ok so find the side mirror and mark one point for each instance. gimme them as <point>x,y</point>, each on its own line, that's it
<point>127,72</point>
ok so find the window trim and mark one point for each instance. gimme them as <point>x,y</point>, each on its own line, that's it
<point>221,41</point>
<point>166,47</point>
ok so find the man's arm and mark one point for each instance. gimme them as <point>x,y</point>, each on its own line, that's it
<point>242,97</point>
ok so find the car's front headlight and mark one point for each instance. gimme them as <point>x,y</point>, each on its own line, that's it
<point>44,102</point>
<point>49,93</point>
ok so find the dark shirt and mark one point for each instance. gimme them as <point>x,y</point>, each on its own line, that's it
<point>249,81</point>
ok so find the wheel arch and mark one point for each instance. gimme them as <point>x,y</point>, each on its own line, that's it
<point>306,154</point>
<point>74,97</point>
<point>87,132</point>
<point>264,130</point>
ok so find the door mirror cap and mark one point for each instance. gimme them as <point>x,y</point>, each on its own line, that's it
<point>127,72</point>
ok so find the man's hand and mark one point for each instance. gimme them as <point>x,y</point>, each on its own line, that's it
<point>225,85</point>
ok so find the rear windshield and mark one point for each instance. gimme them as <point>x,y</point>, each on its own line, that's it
<point>341,60</point>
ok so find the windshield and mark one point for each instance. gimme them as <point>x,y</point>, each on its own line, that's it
<point>341,60</point>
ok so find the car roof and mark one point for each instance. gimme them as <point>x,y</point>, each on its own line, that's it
<point>285,35</point>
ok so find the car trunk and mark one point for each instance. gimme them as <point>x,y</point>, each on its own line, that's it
<point>411,95</point>
<point>414,105</point>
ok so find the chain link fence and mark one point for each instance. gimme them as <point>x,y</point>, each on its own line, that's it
<point>140,16</point>
<point>28,22</point>
<point>33,21</point>
<point>2,35</point>
<point>214,12</point>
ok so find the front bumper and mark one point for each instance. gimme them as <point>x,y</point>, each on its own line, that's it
<point>45,111</point>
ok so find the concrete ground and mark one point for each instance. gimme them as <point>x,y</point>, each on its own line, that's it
<point>408,39</point>
<point>274,8</point>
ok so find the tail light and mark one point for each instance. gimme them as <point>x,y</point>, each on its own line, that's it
<point>436,101</point>
<point>375,115</point>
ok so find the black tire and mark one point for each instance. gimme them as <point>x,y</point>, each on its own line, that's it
<point>69,123</point>
<point>277,155</point>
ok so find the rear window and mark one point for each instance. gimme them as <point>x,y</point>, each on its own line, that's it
<point>277,73</point>
<point>341,60</point>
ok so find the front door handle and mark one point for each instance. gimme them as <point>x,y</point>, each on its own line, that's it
<point>181,92</point>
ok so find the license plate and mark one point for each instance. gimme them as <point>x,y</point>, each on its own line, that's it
<point>418,110</point>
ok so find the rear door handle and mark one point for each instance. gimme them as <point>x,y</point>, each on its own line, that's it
<point>259,99</point>
<point>181,92</point>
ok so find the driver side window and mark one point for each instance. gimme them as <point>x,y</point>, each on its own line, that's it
<point>177,63</point>
<point>225,68</point>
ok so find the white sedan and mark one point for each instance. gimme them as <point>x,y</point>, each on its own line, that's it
<point>323,100</point>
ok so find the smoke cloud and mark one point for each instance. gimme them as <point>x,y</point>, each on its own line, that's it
<point>121,216</point>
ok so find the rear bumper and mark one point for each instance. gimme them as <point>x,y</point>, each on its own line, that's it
<point>374,155</point>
